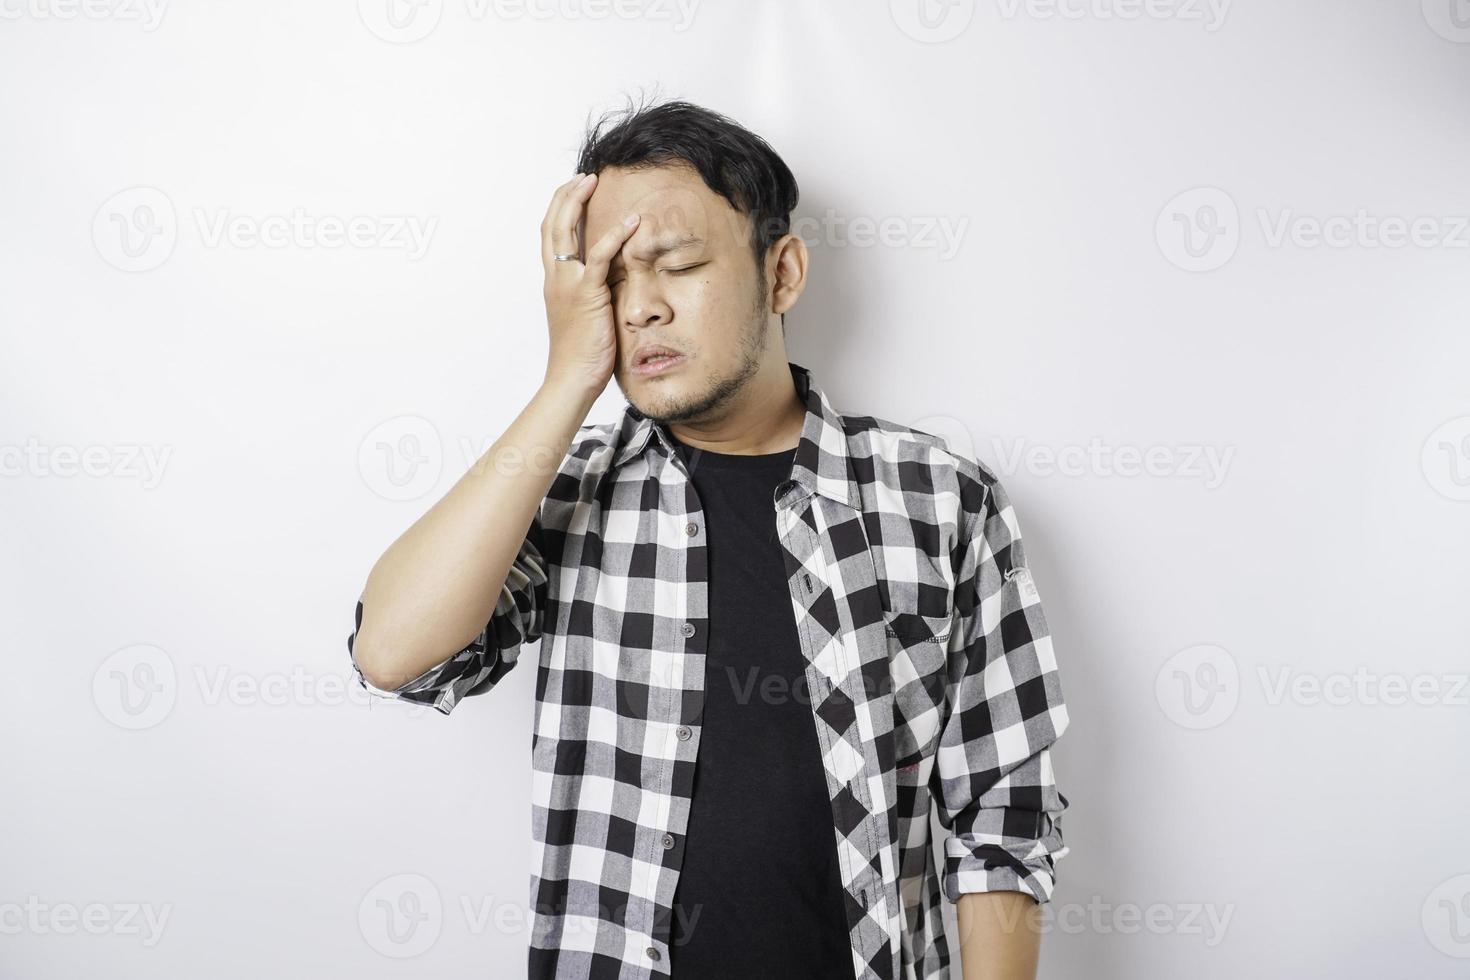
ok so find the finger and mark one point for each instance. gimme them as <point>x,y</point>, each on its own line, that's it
<point>556,198</point>
<point>548,222</point>
<point>564,223</point>
<point>600,255</point>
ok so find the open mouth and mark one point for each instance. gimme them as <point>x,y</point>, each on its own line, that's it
<point>656,360</point>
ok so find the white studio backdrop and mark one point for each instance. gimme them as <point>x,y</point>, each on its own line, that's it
<point>1193,277</point>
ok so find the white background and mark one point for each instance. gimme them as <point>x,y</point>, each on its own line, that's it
<point>1135,188</point>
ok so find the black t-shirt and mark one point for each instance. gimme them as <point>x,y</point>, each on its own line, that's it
<point>759,894</point>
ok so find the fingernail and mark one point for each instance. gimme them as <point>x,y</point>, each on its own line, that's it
<point>631,219</point>
<point>585,178</point>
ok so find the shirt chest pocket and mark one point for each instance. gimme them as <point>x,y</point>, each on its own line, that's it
<point>917,642</point>
<point>915,588</point>
<point>917,600</point>
<point>909,627</point>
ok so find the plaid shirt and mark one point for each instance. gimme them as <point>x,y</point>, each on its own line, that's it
<point>929,666</point>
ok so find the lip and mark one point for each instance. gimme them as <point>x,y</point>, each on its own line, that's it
<point>657,367</point>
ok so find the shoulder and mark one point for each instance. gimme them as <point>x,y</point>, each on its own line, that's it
<point>915,460</point>
<point>585,458</point>
<point>592,437</point>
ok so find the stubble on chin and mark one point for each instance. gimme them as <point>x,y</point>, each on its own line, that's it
<point>717,391</point>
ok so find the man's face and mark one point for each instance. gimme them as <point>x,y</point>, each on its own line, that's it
<point>686,280</point>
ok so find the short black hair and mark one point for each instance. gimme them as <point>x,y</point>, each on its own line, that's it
<point>735,163</point>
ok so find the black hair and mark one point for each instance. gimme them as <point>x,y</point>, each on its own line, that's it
<point>734,163</point>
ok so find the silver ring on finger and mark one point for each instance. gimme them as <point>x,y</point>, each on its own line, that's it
<point>563,258</point>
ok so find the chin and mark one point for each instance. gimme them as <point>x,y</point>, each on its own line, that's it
<point>663,404</point>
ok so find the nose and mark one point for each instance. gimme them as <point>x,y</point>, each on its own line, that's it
<point>641,301</point>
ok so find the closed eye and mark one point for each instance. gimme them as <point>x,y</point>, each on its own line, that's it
<point>613,284</point>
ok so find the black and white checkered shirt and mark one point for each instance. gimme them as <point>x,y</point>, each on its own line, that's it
<point>929,666</point>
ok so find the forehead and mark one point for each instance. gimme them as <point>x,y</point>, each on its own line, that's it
<point>675,205</point>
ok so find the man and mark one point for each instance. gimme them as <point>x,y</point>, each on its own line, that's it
<point>771,633</point>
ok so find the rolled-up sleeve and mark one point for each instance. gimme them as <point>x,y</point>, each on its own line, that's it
<point>517,619</point>
<point>993,782</point>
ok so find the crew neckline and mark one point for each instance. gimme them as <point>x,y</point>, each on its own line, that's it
<point>732,461</point>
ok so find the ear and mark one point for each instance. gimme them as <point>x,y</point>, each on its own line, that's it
<point>786,266</point>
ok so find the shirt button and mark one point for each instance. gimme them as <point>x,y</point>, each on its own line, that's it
<point>691,529</point>
<point>683,732</point>
<point>668,841</point>
<point>652,952</point>
<point>687,629</point>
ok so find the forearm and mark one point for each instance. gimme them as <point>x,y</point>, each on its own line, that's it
<point>435,587</point>
<point>1000,935</point>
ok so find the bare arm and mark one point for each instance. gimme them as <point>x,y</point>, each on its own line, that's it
<point>433,590</point>
<point>1000,935</point>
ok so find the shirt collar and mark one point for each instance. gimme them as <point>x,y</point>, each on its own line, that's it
<point>821,461</point>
